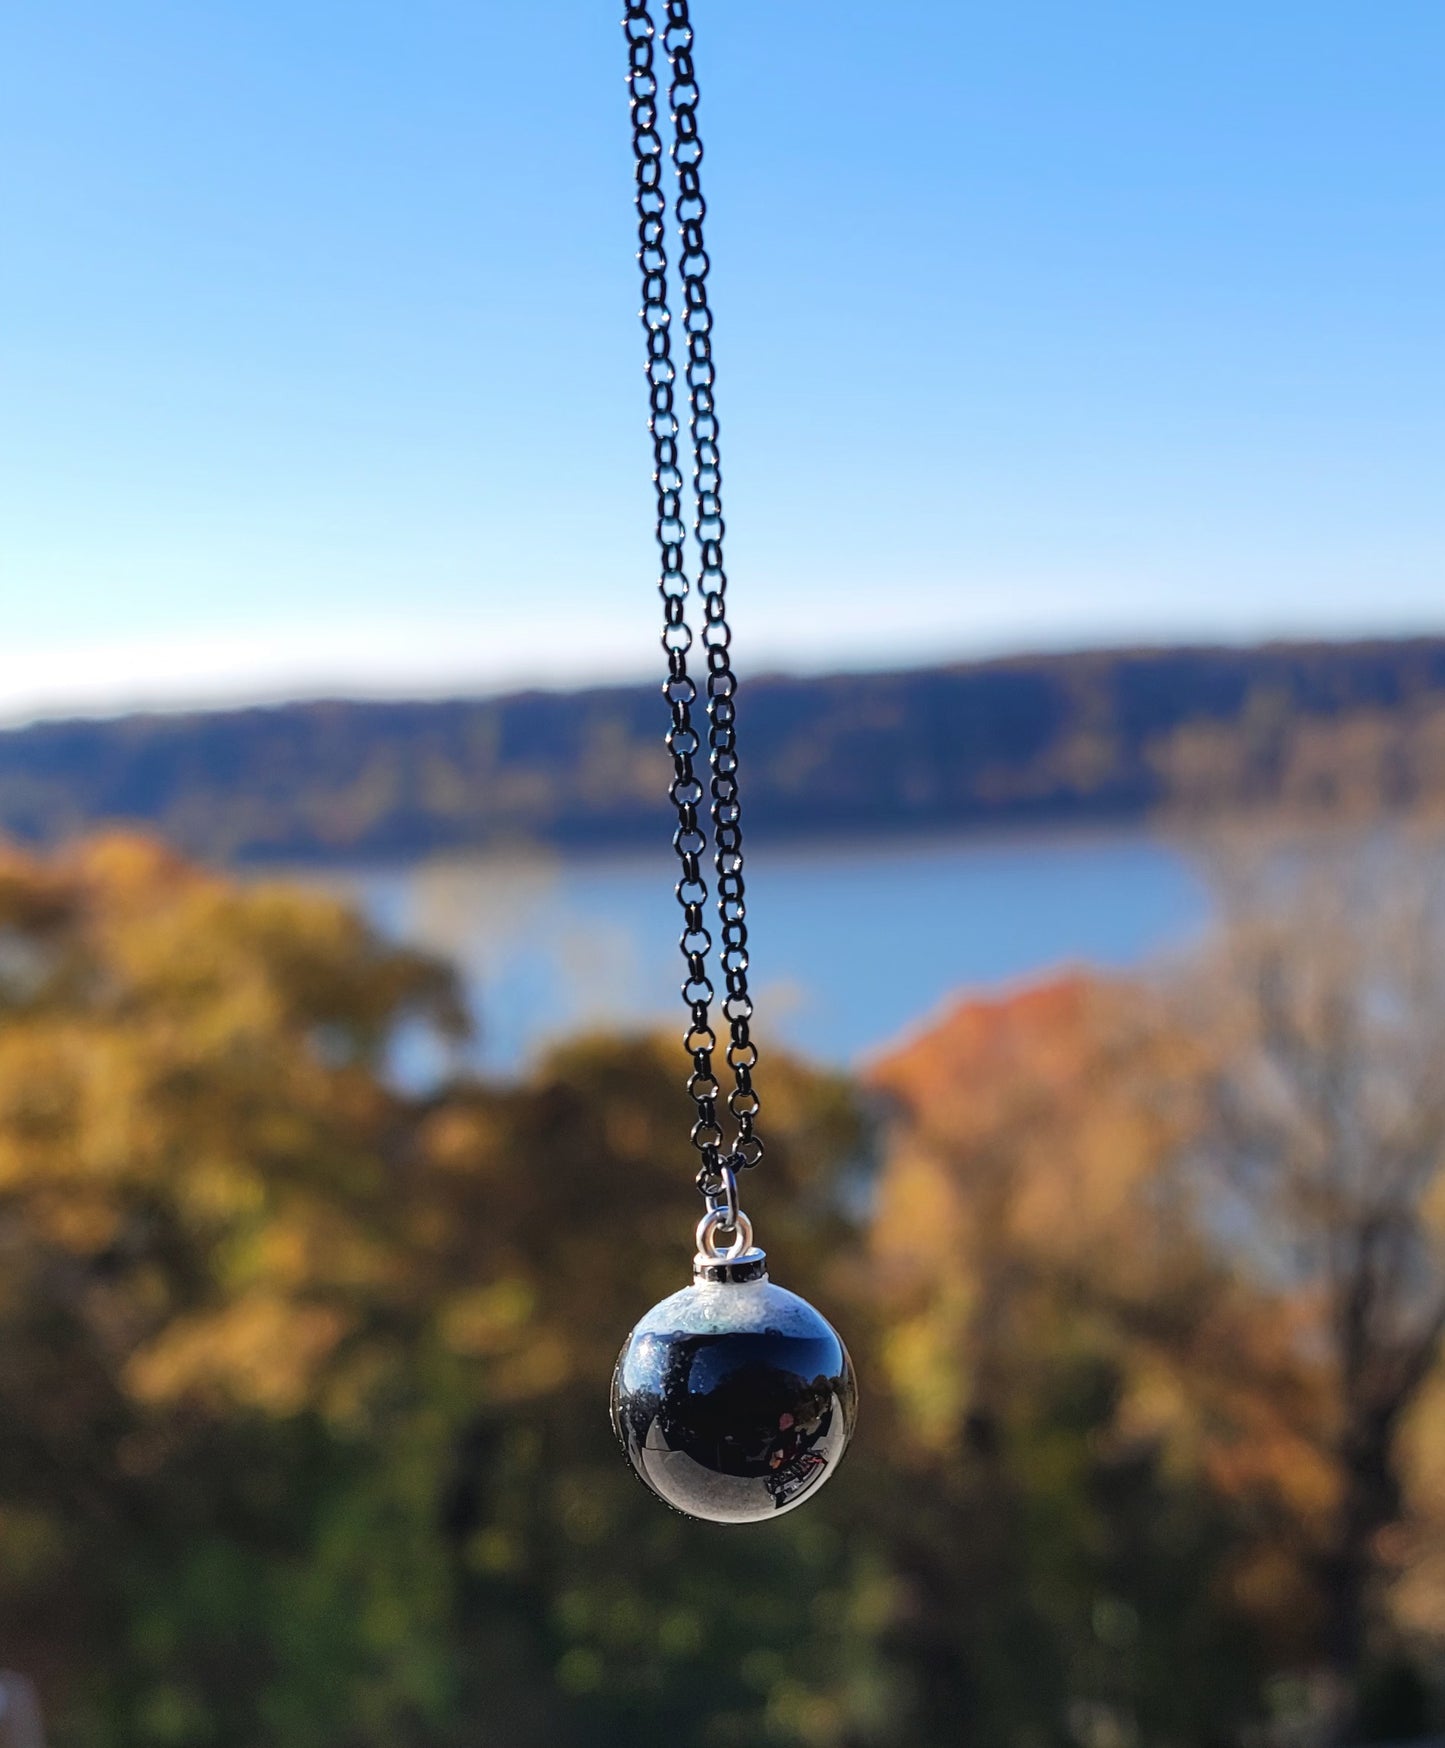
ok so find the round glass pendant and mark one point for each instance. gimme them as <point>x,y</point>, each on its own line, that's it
<point>734,1399</point>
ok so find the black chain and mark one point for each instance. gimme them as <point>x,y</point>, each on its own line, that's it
<point>677,639</point>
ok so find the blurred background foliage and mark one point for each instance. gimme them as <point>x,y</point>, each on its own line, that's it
<point>303,1378</point>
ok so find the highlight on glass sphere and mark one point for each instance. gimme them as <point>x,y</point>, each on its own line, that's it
<point>734,1399</point>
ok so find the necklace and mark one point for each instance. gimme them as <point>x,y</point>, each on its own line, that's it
<point>734,1399</point>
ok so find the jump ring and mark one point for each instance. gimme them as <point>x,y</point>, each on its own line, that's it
<point>725,1197</point>
<point>709,1226</point>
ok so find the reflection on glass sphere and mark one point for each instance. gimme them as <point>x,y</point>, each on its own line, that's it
<point>734,1399</point>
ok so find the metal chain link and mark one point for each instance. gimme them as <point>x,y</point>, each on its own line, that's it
<point>716,1178</point>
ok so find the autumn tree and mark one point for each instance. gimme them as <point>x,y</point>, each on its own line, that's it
<point>197,1146</point>
<point>1071,1366</point>
<point>1322,997</point>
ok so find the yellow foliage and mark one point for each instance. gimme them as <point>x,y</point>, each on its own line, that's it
<point>259,1350</point>
<point>190,1108</point>
<point>488,1319</point>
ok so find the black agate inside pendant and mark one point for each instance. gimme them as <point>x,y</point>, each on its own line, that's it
<point>734,1399</point>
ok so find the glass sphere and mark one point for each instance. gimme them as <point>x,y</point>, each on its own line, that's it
<point>734,1399</point>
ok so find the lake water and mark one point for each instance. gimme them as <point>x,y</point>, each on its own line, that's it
<point>852,944</point>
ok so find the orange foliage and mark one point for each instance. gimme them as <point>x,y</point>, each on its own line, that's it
<point>1033,1200</point>
<point>1052,1090</point>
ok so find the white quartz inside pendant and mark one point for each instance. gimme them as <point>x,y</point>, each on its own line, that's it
<point>718,1306</point>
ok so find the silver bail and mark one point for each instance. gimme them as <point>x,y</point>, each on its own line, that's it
<point>752,1265</point>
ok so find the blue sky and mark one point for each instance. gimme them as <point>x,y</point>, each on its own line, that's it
<point>1038,325</point>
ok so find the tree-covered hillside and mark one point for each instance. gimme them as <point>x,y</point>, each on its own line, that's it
<point>1334,729</point>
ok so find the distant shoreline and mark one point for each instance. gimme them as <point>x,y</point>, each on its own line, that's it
<point>657,854</point>
<point>1098,739</point>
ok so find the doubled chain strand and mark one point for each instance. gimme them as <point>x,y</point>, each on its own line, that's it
<point>715,1178</point>
<point>709,528</point>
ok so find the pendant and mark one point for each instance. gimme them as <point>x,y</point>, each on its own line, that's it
<point>734,1399</point>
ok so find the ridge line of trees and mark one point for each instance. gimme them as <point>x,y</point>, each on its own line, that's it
<point>1342,731</point>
